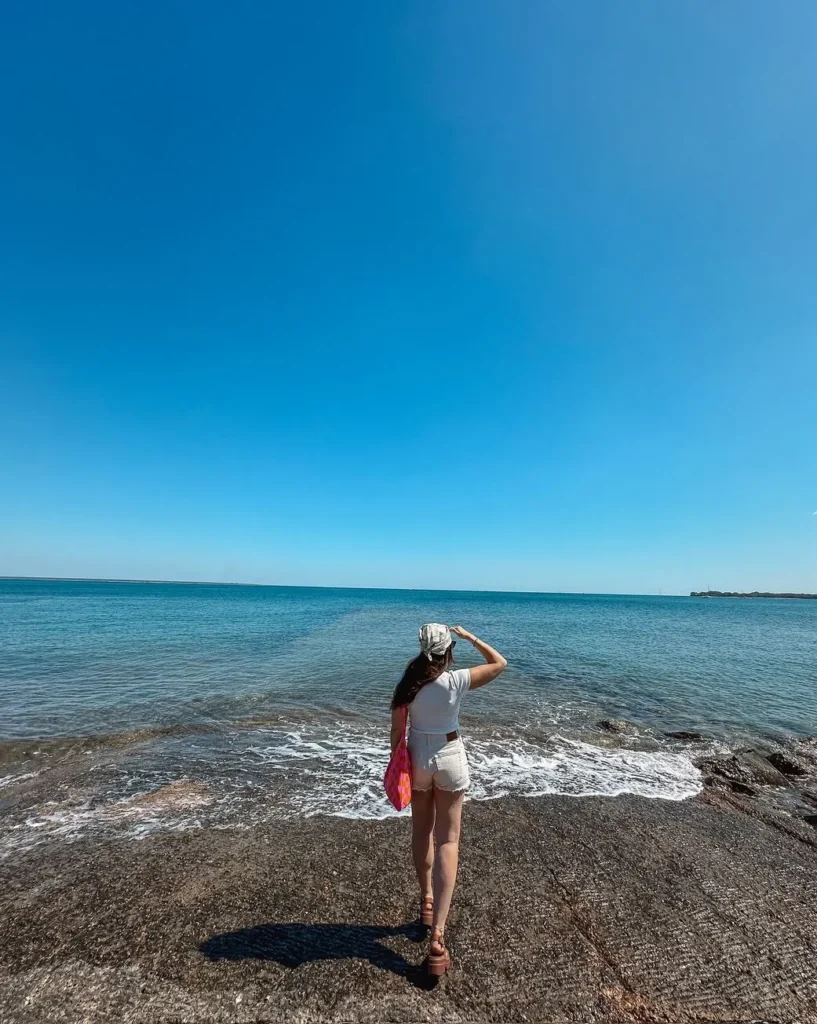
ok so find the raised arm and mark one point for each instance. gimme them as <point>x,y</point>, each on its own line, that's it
<point>494,661</point>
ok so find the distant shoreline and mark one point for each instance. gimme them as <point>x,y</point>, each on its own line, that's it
<point>754,593</point>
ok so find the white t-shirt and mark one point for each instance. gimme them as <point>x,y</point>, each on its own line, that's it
<point>436,707</point>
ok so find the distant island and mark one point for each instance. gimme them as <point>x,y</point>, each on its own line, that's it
<point>754,593</point>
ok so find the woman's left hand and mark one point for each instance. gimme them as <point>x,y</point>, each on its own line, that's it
<point>463,634</point>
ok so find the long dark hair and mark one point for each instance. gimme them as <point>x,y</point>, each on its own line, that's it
<point>419,671</point>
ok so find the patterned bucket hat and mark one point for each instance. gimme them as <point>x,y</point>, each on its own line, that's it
<point>435,639</point>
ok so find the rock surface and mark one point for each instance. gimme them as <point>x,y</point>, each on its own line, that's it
<point>683,734</point>
<point>568,910</point>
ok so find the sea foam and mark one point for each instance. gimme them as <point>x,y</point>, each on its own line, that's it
<point>280,773</point>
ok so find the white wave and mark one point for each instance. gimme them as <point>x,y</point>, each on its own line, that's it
<point>574,768</point>
<point>341,774</point>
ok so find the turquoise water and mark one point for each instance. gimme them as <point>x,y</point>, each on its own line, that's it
<point>94,657</point>
<point>242,691</point>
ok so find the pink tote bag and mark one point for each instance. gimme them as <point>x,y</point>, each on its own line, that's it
<point>397,780</point>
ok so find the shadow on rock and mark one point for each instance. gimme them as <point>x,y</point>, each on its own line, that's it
<point>292,945</point>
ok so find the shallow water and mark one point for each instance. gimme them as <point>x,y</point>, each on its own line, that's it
<point>273,700</point>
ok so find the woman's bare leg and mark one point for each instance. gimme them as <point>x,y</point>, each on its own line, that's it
<point>447,834</point>
<point>422,837</point>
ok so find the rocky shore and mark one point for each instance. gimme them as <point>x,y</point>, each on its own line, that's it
<point>594,909</point>
<point>753,593</point>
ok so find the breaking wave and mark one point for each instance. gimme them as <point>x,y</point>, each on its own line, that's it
<point>244,777</point>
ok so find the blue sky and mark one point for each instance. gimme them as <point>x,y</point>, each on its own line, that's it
<point>512,296</point>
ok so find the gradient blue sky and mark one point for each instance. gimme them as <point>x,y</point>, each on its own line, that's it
<point>481,295</point>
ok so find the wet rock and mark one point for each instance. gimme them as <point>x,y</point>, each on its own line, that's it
<point>746,768</point>
<point>810,819</point>
<point>683,734</point>
<point>618,726</point>
<point>720,781</point>
<point>183,794</point>
<point>788,764</point>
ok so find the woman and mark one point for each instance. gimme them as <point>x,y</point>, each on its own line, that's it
<point>439,767</point>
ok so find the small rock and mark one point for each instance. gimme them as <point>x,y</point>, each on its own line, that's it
<point>788,764</point>
<point>742,788</point>
<point>682,734</point>
<point>617,725</point>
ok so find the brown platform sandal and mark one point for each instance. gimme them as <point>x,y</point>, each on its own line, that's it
<point>438,963</point>
<point>427,910</point>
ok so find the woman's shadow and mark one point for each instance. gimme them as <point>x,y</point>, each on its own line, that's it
<point>292,945</point>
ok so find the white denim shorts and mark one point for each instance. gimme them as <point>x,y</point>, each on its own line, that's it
<point>436,761</point>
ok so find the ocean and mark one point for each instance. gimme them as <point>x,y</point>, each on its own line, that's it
<point>127,708</point>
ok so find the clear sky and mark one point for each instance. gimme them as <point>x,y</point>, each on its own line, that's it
<point>454,294</point>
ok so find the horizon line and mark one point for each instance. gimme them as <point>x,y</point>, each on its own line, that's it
<point>324,586</point>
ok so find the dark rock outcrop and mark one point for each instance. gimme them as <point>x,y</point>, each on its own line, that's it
<point>742,788</point>
<point>683,734</point>
<point>788,764</point>
<point>740,770</point>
